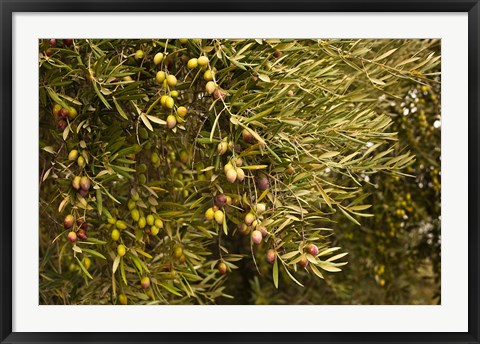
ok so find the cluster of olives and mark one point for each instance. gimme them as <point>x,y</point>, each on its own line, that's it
<point>162,158</point>
<point>52,43</point>
<point>61,114</point>
<point>233,171</point>
<point>153,222</point>
<point>77,228</point>
<point>82,184</point>
<point>251,223</point>
<point>311,249</point>
<point>167,101</point>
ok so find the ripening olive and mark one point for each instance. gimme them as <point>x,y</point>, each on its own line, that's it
<point>61,125</point>
<point>73,155</point>
<point>271,256</point>
<point>158,223</point>
<point>203,61</point>
<point>72,236</point>
<point>260,208</point>
<point>154,230</point>
<point>192,63</point>
<point>122,299</point>
<point>158,58</point>
<point>256,237</point>
<point>85,183</point>
<point>121,224</point>
<point>208,75</point>
<point>161,76</point>
<point>68,221</point>
<point>135,214</point>
<point>220,200</point>
<point>263,183</point>
<point>249,218</point>
<point>312,249</point>
<point>131,204</point>
<point>171,121</point>
<point>247,136</point>
<point>210,214</point>
<point>303,262</point>
<point>81,161</point>
<point>210,87</point>
<point>139,54</point>
<point>222,148</point>
<point>145,282</point>
<point>63,113</point>
<point>121,250</point>
<point>56,109</point>
<point>227,167</point>
<point>115,235</point>
<point>177,251</point>
<point>169,103</point>
<point>240,174</point>
<point>219,216</point>
<point>171,80</point>
<point>72,112</point>
<point>231,175</point>
<point>150,219</point>
<point>182,111</point>
<point>222,268</point>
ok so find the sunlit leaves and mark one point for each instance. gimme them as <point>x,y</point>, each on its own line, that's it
<point>302,131</point>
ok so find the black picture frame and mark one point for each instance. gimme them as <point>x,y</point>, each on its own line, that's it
<point>9,7</point>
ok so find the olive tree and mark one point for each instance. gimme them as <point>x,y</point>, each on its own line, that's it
<point>171,169</point>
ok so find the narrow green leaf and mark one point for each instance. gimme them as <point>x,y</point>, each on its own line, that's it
<point>94,253</point>
<point>349,216</point>
<point>99,201</point>
<point>328,251</point>
<point>388,53</point>
<point>146,122</point>
<point>316,271</point>
<point>96,241</point>
<point>143,253</point>
<point>120,109</point>
<point>122,271</point>
<point>291,277</point>
<point>329,268</point>
<point>360,207</point>
<point>329,155</point>
<point>290,255</point>
<point>116,262</point>
<point>224,224</point>
<point>156,120</point>
<point>275,273</point>
<point>171,289</point>
<point>264,77</point>
<point>254,167</point>
<point>100,95</point>
<point>85,271</point>
<point>338,256</point>
<point>260,115</point>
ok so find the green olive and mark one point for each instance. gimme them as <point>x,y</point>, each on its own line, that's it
<point>158,58</point>
<point>121,250</point>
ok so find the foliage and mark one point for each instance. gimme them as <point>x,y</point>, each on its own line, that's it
<point>206,162</point>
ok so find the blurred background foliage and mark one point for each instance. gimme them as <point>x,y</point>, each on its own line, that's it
<point>251,177</point>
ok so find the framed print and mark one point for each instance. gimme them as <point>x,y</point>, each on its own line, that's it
<point>221,172</point>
